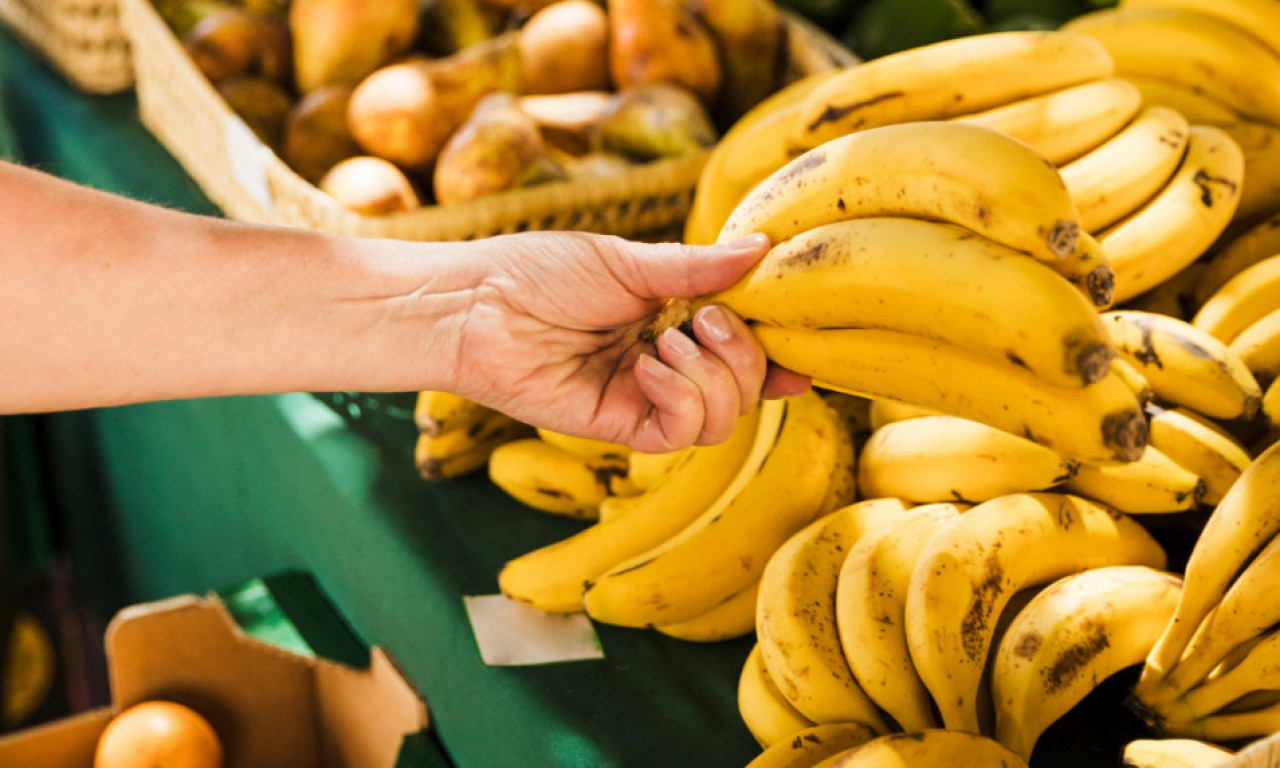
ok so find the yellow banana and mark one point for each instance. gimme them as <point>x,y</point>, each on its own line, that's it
<point>1152,484</point>
<point>726,547</point>
<point>966,174</point>
<point>842,485</point>
<point>1071,636</point>
<point>1173,753</point>
<point>1260,144</point>
<point>1200,52</point>
<point>934,748</point>
<point>585,447</point>
<point>796,615</point>
<point>884,412</point>
<point>613,506</point>
<point>1259,242</point>
<point>551,578</point>
<point>1196,106</point>
<point>438,412</point>
<point>1065,124</point>
<point>1239,726</point>
<point>1258,347</point>
<point>1258,670</point>
<point>1128,169</point>
<point>1248,609</point>
<point>945,458</point>
<point>734,618</point>
<point>1241,301</point>
<point>870,604</point>
<point>931,279</point>
<point>1246,519</point>
<point>551,479</point>
<point>1184,218</point>
<point>1133,379</point>
<point>813,744</point>
<point>756,145</point>
<point>1184,365</point>
<point>947,79</point>
<point>1201,447</point>
<point>1099,423</point>
<point>27,670</point>
<point>461,451</point>
<point>1261,19</point>
<point>765,711</point>
<point>645,470</point>
<point>968,571</point>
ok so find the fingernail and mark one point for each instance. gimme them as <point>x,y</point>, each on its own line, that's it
<point>680,344</point>
<point>714,323</point>
<point>750,243</point>
<point>654,366</point>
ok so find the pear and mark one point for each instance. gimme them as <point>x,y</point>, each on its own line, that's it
<point>236,43</point>
<point>370,186</point>
<point>565,47</point>
<point>261,103</point>
<point>568,120</point>
<point>661,41</point>
<point>405,112</point>
<point>342,41</point>
<point>751,37</point>
<point>316,137</point>
<point>656,121</point>
<point>498,148</point>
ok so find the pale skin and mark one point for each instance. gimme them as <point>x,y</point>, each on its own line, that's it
<point>108,301</point>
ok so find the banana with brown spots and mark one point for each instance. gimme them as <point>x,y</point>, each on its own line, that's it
<point>1184,365</point>
<point>969,570</point>
<point>935,280</point>
<point>970,175</point>
<point>1071,636</point>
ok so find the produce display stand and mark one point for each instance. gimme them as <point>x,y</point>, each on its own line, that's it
<point>188,496</point>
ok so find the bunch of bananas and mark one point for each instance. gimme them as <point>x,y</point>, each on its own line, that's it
<point>684,554</point>
<point>884,617</point>
<point>1215,61</point>
<point>891,243</point>
<point>1212,675</point>
<point>562,474</point>
<point>457,436</point>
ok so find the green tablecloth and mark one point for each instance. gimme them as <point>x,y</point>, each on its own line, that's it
<point>190,496</point>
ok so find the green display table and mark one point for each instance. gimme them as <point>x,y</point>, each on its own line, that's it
<point>190,496</point>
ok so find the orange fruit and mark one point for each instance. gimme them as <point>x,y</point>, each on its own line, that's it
<point>158,734</point>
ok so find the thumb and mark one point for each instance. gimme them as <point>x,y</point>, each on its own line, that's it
<point>677,271</point>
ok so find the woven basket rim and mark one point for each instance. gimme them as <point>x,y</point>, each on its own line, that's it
<point>651,196</point>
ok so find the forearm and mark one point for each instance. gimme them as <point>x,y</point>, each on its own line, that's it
<point>109,301</point>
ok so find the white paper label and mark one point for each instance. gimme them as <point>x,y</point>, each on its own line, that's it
<point>246,155</point>
<point>514,634</point>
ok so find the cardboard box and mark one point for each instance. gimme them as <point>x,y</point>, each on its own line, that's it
<point>271,708</point>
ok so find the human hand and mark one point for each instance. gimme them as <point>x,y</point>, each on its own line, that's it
<point>555,338</point>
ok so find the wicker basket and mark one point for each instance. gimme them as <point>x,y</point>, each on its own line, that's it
<point>251,183</point>
<point>82,39</point>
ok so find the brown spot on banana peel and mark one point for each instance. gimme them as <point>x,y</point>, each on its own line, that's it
<point>554,493</point>
<point>1027,645</point>
<point>1204,181</point>
<point>1093,362</point>
<point>977,620</point>
<point>834,112</point>
<point>1061,238</point>
<point>1100,285</point>
<point>1126,433</point>
<point>1075,657</point>
<point>606,475</point>
<point>1070,469</point>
